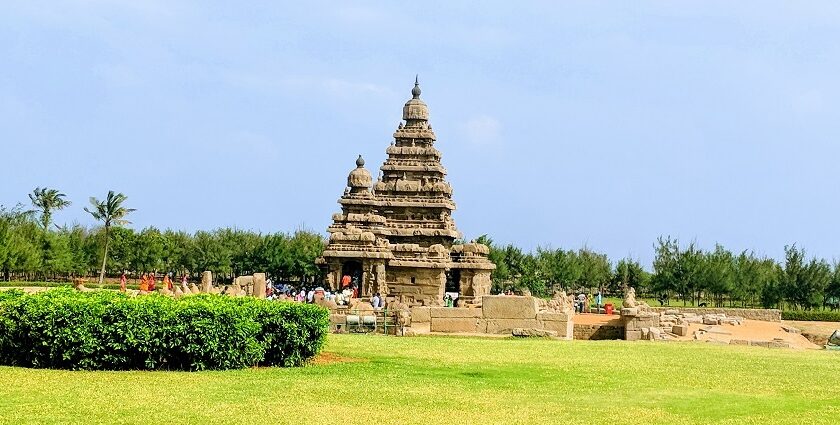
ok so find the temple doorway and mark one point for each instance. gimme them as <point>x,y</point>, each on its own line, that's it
<point>354,270</point>
<point>453,281</point>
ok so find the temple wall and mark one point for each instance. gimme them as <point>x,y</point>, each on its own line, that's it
<point>427,288</point>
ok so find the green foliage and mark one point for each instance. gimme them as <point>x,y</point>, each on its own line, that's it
<point>811,315</point>
<point>629,273</point>
<point>65,328</point>
<point>46,200</point>
<point>802,283</point>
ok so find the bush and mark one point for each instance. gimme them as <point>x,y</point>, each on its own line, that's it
<point>812,315</point>
<point>65,328</point>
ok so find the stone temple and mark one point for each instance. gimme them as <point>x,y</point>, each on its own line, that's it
<point>396,236</point>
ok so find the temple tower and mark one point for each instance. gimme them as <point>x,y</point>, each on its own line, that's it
<point>398,237</point>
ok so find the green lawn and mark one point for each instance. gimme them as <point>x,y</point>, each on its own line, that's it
<point>448,380</point>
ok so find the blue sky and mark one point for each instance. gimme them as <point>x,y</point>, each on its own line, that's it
<point>562,124</point>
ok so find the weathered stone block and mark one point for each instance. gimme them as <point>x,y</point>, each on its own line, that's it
<point>499,326</point>
<point>526,332</point>
<point>791,329</point>
<point>633,335</point>
<point>259,285</point>
<point>681,330</point>
<point>421,315</point>
<point>629,311</point>
<point>564,329</point>
<point>454,324</point>
<point>738,342</point>
<point>508,307</point>
<point>559,317</point>
<point>206,281</point>
<point>444,312</point>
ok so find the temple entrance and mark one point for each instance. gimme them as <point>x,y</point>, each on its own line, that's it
<point>354,270</point>
<point>453,281</point>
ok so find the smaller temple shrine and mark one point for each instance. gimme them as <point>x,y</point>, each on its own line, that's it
<point>396,236</point>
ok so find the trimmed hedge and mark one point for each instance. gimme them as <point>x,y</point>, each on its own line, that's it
<point>811,315</point>
<point>68,329</point>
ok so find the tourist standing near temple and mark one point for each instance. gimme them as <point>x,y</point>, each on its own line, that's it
<point>122,282</point>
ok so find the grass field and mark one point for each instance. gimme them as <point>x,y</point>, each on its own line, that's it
<point>387,380</point>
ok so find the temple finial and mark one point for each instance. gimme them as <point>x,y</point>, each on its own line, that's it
<point>415,92</point>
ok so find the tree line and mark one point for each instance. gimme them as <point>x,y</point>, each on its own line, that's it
<point>32,249</point>
<point>716,277</point>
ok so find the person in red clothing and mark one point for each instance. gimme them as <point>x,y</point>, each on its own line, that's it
<point>151,282</point>
<point>345,281</point>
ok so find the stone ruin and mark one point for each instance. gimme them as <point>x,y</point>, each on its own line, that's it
<point>642,323</point>
<point>396,236</point>
<point>254,285</point>
<point>496,314</point>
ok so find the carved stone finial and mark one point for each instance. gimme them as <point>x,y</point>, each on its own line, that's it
<point>360,162</point>
<point>415,92</point>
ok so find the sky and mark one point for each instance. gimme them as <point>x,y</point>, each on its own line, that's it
<point>562,124</point>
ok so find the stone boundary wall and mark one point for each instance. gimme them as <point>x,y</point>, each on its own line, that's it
<point>598,331</point>
<point>497,315</point>
<point>765,315</point>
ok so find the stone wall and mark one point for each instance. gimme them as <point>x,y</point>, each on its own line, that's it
<point>599,331</point>
<point>766,315</point>
<point>427,286</point>
<point>497,315</point>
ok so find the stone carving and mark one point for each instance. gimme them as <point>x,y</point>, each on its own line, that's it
<point>206,281</point>
<point>630,301</point>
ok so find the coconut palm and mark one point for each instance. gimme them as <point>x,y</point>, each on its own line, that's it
<point>111,212</point>
<point>46,201</point>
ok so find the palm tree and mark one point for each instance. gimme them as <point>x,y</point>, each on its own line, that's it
<point>111,212</point>
<point>46,200</point>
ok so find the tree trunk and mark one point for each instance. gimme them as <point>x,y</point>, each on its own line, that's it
<point>104,258</point>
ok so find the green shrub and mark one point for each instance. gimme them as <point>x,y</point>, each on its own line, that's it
<point>811,315</point>
<point>65,328</point>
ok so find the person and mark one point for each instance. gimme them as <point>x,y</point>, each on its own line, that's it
<point>310,296</point>
<point>582,301</point>
<point>345,281</point>
<point>355,291</point>
<point>151,282</point>
<point>122,282</point>
<point>184,281</point>
<point>376,301</point>
<point>144,283</point>
<point>167,282</point>
<point>599,300</point>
